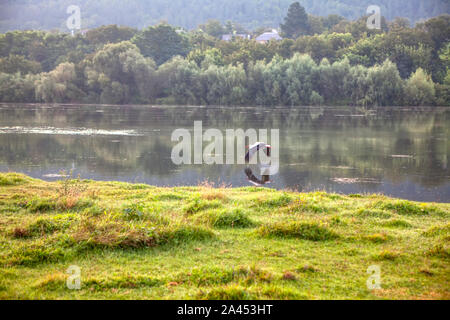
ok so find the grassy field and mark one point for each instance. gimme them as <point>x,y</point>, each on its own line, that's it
<point>134,241</point>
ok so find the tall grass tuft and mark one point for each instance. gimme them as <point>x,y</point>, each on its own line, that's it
<point>301,230</point>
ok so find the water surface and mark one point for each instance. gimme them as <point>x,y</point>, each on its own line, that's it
<point>401,152</point>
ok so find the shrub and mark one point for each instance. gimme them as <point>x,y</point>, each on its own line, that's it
<point>277,202</point>
<point>40,205</point>
<point>12,179</point>
<point>44,226</point>
<point>404,207</point>
<point>231,219</point>
<point>198,205</point>
<point>419,89</point>
<point>183,234</point>
<point>109,232</point>
<point>300,230</point>
<point>32,255</point>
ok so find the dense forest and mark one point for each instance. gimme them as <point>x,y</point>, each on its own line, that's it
<point>50,14</point>
<point>323,60</point>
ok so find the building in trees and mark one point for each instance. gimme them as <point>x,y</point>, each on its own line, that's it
<point>267,36</point>
<point>229,37</point>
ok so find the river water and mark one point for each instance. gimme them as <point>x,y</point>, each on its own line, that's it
<point>400,152</point>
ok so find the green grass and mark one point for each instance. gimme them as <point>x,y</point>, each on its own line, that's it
<point>133,241</point>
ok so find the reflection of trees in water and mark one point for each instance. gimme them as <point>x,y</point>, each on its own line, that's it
<point>321,139</point>
<point>156,160</point>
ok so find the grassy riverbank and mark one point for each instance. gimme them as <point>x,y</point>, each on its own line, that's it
<point>135,241</point>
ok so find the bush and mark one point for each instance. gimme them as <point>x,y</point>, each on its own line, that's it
<point>231,219</point>
<point>198,205</point>
<point>300,230</point>
<point>419,89</point>
<point>41,205</point>
<point>12,179</point>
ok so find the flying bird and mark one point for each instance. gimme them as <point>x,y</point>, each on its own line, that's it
<point>254,148</point>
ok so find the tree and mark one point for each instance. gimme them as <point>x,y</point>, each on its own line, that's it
<point>332,20</point>
<point>296,22</point>
<point>15,63</point>
<point>317,47</point>
<point>189,14</point>
<point>439,30</point>
<point>120,74</point>
<point>58,85</point>
<point>17,88</point>
<point>205,58</point>
<point>110,34</point>
<point>419,90</point>
<point>400,23</point>
<point>386,86</point>
<point>161,43</point>
<point>179,80</point>
<point>315,25</point>
<point>214,28</point>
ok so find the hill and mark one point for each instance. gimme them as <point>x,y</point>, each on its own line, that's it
<point>48,14</point>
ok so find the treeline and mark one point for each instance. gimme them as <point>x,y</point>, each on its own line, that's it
<point>50,14</point>
<point>346,64</point>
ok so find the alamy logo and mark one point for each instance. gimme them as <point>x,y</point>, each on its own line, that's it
<point>233,142</point>
<point>74,280</point>
<point>374,280</point>
<point>374,21</point>
<point>74,21</point>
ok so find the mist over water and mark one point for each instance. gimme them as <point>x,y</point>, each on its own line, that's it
<point>401,152</point>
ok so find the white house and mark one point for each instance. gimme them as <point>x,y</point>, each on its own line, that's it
<point>267,36</point>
